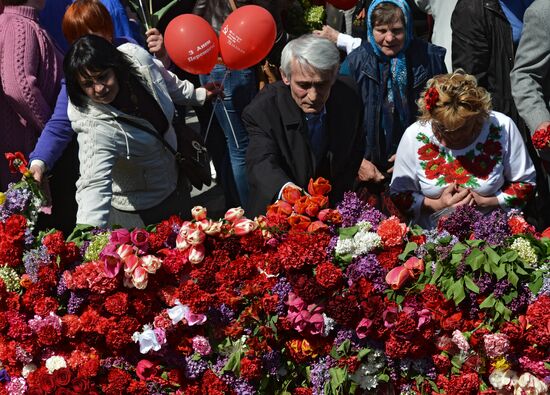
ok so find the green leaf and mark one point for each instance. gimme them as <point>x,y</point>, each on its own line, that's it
<point>476,259</point>
<point>509,256</point>
<point>438,272</point>
<point>383,377</point>
<point>536,284</point>
<point>513,278</point>
<point>489,302</point>
<point>80,233</point>
<point>492,255</point>
<point>459,248</point>
<point>337,378</point>
<point>458,291</point>
<point>348,233</point>
<point>363,353</point>
<point>233,364</point>
<point>457,361</point>
<point>499,271</point>
<point>547,365</point>
<point>344,347</point>
<point>160,13</point>
<point>471,285</point>
<point>411,246</point>
<point>474,243</point>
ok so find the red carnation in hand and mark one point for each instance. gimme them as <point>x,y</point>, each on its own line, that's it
<point>541,138</point>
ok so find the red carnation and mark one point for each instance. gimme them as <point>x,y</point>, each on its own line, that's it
<point>302,391</point>
<point>465,384</point>
<point>250,368</point>
<point>117,304</point>
<point>328,275</point>
<point>541,138</point>
<point>392,231</point>
<point>431,97</point>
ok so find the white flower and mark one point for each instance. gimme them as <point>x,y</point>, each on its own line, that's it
<point>366,242</point>
<point>364,378</point>
<point>31,367</point>
<point>529,384</point>
<point>328,325</point>
<point>364,226</point>
<point>525,251</point>
<point>344,247</point>
<point>500,379</point>
<point>54,363</point>
<point>147,340</point>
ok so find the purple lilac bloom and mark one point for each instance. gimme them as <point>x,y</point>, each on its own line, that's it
<point>194,369</point>
<point>271,362</point>
<point>61,286</point>
<point>4,376</point>
<point>354,210</point>
<point>460,222</point>
<point>367,266</point>
<point>492,228</point>
<point>500,288</point>
<point>485,283</point>
<point>17,201</point>
<point>461,268</point>
<point>29,238</point>
<point>239,385</point>
<point>118,362</point>
<point>469,305</point>
<point>320,374</point>
<point>545,289</point>
<point>220,363</point>
<point>34,260</point>
<point>393,367</point>
<point>520,303</point>
<point>282,289</point>
<point>332,244</point>
<point>154,388</point>
<point>75,302</point>
<point>444,250</point>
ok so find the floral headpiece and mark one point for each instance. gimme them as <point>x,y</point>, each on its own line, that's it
<point>431,97</point>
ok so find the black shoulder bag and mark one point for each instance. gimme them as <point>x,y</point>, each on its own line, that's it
<point>192,156</point>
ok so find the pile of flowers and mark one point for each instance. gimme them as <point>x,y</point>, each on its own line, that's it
<point>357,304</point>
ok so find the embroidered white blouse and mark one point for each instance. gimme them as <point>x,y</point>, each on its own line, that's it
<point>495,164</point>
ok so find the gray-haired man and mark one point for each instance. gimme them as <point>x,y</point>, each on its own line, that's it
<point>306,126</point>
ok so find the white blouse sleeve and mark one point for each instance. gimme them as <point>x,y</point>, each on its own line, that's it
<point>405,186</point>
<point>347,42</point>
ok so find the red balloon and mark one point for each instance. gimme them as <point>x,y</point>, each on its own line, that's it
<point>247,36</point>
<point>343,4</point>
<point>192,44</point>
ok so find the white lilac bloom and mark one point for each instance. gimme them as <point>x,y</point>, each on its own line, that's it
<point>328,325</point>
<point>344,247</point>
<point>55,362</point>
<point>525,251</point>
<point>365,242</point>
<point>366,380</point>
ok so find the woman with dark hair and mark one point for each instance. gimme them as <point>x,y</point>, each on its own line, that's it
<point>30,79</point>
<point>118,100</point>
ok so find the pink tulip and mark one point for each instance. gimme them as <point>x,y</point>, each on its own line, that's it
<point>196,237</point>
<point>126,250</point>
<point>140,278</point>
<point>151,263</point>
<point>131,263</point>
<point>363,328</point>
<point>244,226</point>
<point>111,266</point>
<point>120,236</point>
<point>196,254</point>
<point>214,229</point>
<point>204,224</point>
<point>397,276</point>
<point>315,226</point>
<point>234,214</point>
<point>198,213</point>
<point>181,242</point>
<point>414,265</point>
<point>140,238</point>
<point>295,303</point>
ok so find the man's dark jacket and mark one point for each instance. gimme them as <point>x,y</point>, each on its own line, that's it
<point>483,46</point>
<point>279,150</point>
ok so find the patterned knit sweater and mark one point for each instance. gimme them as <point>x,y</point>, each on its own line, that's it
<point>30,76</point>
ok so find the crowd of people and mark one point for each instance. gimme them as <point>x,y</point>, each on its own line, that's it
<point>417,127</point>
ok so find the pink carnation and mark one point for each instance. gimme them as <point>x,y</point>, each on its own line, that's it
<point>460,340</point>
<point>201,345</point>
<point>496,344</point>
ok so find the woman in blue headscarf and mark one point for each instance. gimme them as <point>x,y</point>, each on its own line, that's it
<point>391,69</point>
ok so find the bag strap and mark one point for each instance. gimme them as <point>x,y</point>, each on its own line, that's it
<point>232,4</point>
<point>153,133</point>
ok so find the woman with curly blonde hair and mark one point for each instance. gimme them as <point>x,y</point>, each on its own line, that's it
<point>459,152</point>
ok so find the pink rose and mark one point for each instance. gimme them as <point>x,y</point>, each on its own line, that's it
<point>234,214</point>
<point>120,236</point>
<point>140,238</point>
<point>198,213</point>
<point>146,370</point>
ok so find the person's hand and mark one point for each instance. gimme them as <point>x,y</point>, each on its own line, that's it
<point>155,44</point>
<point>451,196</point>
<point>369,172</point>
<point>37,172</point>
<point>484,201</point>
<point>391,160</point>
<point>213,90</point>
<point>328,33</point>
